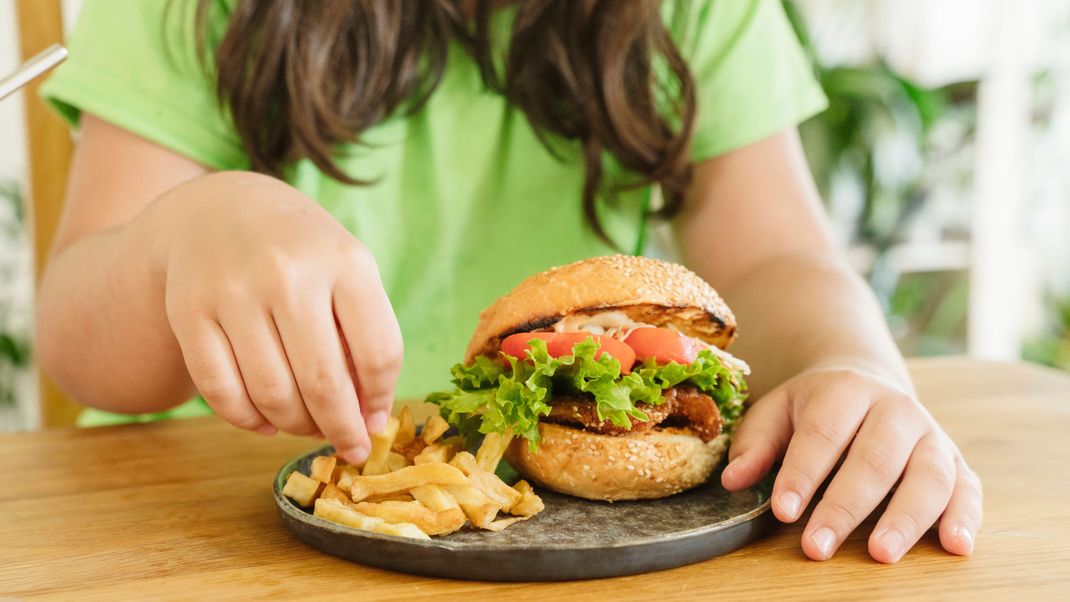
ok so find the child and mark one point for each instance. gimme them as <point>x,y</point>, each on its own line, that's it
<point>267,197</point>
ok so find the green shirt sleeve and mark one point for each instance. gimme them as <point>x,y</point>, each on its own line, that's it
<point>752,78</point>
<point>134,64</point>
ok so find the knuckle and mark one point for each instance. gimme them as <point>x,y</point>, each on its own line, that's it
<point>842,512</point>
<point>324,387</point>
<point>273,396</point>
<point>880,463</point>
<point>941,473</point>
<point>798,479</point>
<point>218,389</point>
<point>914,518</point>
<point>823,429</point>
<point>359,256</point>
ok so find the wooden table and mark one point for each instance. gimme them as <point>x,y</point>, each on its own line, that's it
<point>184,509</point>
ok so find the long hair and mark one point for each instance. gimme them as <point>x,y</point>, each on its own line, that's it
<point>300,78</point>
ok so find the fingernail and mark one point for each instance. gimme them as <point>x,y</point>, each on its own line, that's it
<point>824,539</point>
<point>790,503</point>
<point>377,420</point>
<point>355,455</point>
<point>267,429</point>
<point>894,542</point>
<point>966,535</point>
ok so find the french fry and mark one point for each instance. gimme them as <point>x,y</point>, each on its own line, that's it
<point>479,508</point>
<point>487,482</point>
<point>434,497</point>
<point>401,530</point>
<point>392,497</point>
<point>323,468</point>
<point>332,492</point>
<point>529,504</point>
<point>406,430</point>
<point>346,475</point>
<point>405,479</point>
<point>381,444</point>
<point>441,451</point>
<point>302,489</point>
<point>429,521</point>
<point>396,461</point>
<point>492,449</point>
<point>338,512</point>
<point>502,523</point>
<point>434,428</point>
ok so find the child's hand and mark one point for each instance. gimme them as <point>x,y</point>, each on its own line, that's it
<point>260,284</point>
<point>812,419</point>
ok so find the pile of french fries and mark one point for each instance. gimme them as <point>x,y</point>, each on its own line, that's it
<point>415,486</point>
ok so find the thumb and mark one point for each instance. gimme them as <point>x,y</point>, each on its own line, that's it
<point>760,438</point>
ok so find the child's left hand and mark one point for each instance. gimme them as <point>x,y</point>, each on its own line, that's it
<point>813,419</point>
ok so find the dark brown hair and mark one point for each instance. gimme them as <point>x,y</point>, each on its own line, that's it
<point>301,77</point>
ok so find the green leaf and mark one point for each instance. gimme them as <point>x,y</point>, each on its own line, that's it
<point>492,397</point>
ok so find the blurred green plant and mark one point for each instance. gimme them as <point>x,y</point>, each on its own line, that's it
<point>1052,348</point>
<point>14,346</point>
<point>867,105</point>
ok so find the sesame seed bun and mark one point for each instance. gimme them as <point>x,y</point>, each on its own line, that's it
<point>647,290</point>
<point>641,465</point>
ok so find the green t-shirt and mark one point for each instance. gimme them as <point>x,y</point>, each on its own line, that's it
<point>466,200</point>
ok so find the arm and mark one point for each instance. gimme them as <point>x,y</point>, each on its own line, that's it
<point>828,379</point>
<point>771,251</point>
<point>166,280</point>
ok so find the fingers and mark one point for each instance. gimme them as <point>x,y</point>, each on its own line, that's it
<point>759,440</point>
<point>822,434</point>
<point>214,371</point>
<point>918,501</point>
<point>874,464</point>
<point>311,341</point>
<point>373,337</point>
<point>265,369</point>
<point>962,518</point>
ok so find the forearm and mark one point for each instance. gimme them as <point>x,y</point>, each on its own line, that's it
<point>102,329</point>
<point>804,311</point>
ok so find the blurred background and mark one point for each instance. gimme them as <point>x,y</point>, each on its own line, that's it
<point>944,159</point>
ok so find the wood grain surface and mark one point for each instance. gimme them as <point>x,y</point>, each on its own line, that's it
<point>184,510</point>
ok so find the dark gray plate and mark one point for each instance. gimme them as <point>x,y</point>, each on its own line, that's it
<point>571,539</point>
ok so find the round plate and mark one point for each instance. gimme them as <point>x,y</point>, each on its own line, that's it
<point>572,538</point>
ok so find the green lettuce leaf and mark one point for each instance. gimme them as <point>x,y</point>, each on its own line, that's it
<point>493,396</point>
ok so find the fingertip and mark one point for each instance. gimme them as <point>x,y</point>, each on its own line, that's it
<point>820,544</point>
<point>355,455</point>
<point>957,540</point>
<point>787,506</point>
<point>739,474</point>
<point>886,547</point>
<point>377,421</point>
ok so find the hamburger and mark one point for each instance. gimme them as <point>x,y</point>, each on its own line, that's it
<point>610,373</point>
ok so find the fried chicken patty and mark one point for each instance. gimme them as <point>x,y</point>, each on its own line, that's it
<point>682,406</point>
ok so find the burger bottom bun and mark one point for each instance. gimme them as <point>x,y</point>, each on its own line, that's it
<point>643,465</point>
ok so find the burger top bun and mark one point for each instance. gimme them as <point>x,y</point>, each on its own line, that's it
<point>642,465</point>
<point>647,290</point>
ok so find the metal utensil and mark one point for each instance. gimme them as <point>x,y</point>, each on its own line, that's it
<point>45,60</point>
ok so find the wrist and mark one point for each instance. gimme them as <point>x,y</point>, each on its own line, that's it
<point>892,373</point>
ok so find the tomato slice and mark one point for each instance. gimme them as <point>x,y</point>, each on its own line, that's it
<point>664,345</point>
<point>561,343</point>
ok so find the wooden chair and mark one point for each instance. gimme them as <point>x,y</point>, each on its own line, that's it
<point>40,24</point>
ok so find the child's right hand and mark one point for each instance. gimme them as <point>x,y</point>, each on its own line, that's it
<point>279,311</point>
